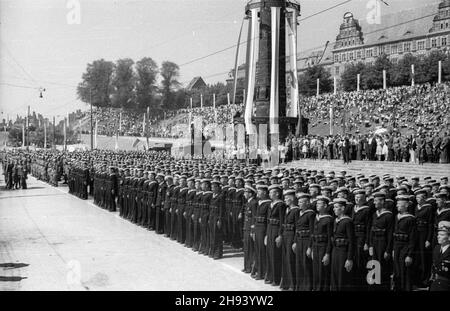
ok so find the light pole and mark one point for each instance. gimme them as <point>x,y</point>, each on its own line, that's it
<point>92,134</point>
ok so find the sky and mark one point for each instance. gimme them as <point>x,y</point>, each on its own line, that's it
<point>46,44</point>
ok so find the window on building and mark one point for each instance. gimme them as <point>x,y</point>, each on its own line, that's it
<point>407,47</point>
<point>433,43</point>
<point>337,70</point>
<point>394,49</point>
<point>336,58</point>
<point>369,53</point>
<point>443,41</point>
<point>421,45</point>
<point>442,26</point>
<point>358,54</point>
<point>344,57</point>
<point>350,56</point>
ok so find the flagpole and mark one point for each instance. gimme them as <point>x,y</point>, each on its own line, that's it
<point>214,108</point>
<point>65,134</point>
<point>146,130</point>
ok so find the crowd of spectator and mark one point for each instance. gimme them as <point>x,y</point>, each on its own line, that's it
<point>432,147</point>
<point>418,108</point>
<point>420,113</point>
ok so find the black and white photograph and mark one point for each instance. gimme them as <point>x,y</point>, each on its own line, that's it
<point>242,147</point>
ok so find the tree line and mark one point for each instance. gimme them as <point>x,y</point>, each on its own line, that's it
<point>140,85</point>
<point>398,73</point>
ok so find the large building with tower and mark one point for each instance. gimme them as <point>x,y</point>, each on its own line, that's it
<point>417,31</point>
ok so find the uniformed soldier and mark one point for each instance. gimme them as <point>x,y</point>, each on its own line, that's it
<point>403,246</point>
<point>113,189</point>
<point>196,215</point>
<point>304,227</point>
<point>204,216</point>
<point>249,228</point>
<point>174,207</point>
<point>362,218</point>
<point>380,240</point>
<point>215,221</point>
<point>273,241</point>
<point>342,256</point>
<point>440,280</point>
<point>237,213</point>
<point>159,204</point>
<point>288,274</point>
<point>442,212</point>
<point>261,215</point>
<point>167,204</point>
<point>230,195</point>
<point>181,207</point>
<point>189,211</point>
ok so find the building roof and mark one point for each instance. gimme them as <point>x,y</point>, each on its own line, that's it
<point>308,59</point>
<point>400,25</point>
<point>196,83</point>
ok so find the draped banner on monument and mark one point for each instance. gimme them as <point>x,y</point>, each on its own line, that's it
<point>292,22</point>
<point>274,80</point>
<point>251,72</point>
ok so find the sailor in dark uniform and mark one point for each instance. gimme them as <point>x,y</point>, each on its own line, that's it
<point>342,256</point>
<point>113,189</point>
<point>304,227</point>
<point>174,207</point>
<point>159,209</point>
<point>275,216</point>
<point>441,259</point>
<point>231,189</point>
<point>321,246</point>
<point>237,213</point>
<point>204,216</point>
<point>181,206</point>
<point>261,230</point>
<point>380,240</point>
<point>288,275</point>
<point>152,188</point>
<point>215,221</point>
<point>189,210</point>
<point>167,204</point>
<point>442,213</point>
<point>249,228</point>
<point>362,216</point>
<point>423,252</point>
<point>196,213</point>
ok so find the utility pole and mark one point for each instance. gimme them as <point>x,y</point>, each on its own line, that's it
<point>54,133</point>
<point>92,134</point>
<point>27,140</point>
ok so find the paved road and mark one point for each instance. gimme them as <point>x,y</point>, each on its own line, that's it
<point>50,240</point>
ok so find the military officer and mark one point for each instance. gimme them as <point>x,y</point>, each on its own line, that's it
<point>441,259</point>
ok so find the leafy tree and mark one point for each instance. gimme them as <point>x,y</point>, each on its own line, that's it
<point>401,74</point>
<point>96,83</point>
<point>169,73</point>
<point>123,83</point>
<point>349,78</point>
<point>373,76</point>
<point>308,81</point>
<point>147,72</point>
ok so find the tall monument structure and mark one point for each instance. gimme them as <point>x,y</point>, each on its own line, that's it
<point>271,84</point>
